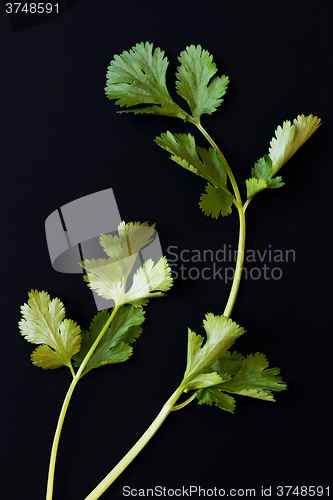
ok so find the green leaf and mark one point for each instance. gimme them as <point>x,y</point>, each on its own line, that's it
<point>195,84</point>
<point>138,77</point>
<point>114,347</point>
<point>212,395</point>
<point>245,376</point>
<point>43,322</point>
<point>216,202</point>
<point>229,364</point>
<point>132,237</point>
<point>149,281</point>
<point>221,333</point>
<point>263,169</point>
<point>290,137</point>
<point>108,277</point>
<point>206,164</point>
<point>255,379</point>
<point>262,177</point>
<point>254,186</point>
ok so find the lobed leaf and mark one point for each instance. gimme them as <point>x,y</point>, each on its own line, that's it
<point>221,333</point>
<point>205,163</point>
<point>108,277</point>
<point>248,376</point>
<point>139,77</point>
<point>196,84</point>
<point>149,281</point>
<point>290,137</point>
<point>216,202</point>
<point>255,379</point>
<point>262,173</point>
<point>212,395</point>
<point>114,347</point>
<point>43,322</point>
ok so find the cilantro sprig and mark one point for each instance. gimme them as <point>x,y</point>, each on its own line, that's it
<point>136,81</point>
<point>213,373</point>
<point>111,334</point>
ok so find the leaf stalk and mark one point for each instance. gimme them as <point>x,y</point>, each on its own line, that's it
<point>77,376</point>
<point>140,444</point>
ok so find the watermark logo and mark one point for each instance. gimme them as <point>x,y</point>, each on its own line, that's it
<point>220,264</point>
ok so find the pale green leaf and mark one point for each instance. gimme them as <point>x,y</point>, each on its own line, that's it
<point>149,281</point>
<point>254,186</point>
<point>43,322</point>
<point>196,84</point>
<point>290,137</point>
<point>132,237</point>
<point>108,277</point>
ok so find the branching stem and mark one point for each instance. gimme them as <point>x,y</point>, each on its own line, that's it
<point>241,239</point>
<point>170,404</point>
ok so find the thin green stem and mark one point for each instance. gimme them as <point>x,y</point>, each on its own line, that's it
<point>241,213</point>
<point>70,366</point>
<point>239,265</point>
<point>77,376</point>
<point>140,444</point>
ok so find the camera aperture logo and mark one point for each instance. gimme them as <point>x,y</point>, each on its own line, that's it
<point>219,264</point>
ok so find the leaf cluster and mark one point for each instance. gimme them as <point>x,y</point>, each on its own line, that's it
<point>110,335</point>
<point>138,77</point>
<point>288,139</point>
<point>212,370</point>
<point>108,277</point>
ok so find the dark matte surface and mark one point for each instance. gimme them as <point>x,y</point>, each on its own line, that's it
<point>61,139</point>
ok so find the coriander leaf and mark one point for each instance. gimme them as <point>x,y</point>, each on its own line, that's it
<point>206,164</point>
<point>262,177</point>
<point>254,186</point>
<point>221,333</point>
<point>149,281</point>
<point>212,395</point>
<point>215,201</point>
<point>290,137</point>
<point>132,237</point>
<point>195,83</point>
<point>229,364</point>
<point>108,277</point>
<point>139,77</point>
<point>254,379</point>
<point>263,169</point>
<point>43,322</point>
<point>114,345</point>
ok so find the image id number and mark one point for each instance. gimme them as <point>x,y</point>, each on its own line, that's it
<point>302,491</point>
<point>32,8</point>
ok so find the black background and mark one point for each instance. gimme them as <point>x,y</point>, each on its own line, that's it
<point>61,139</point>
